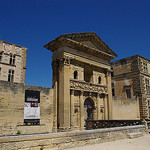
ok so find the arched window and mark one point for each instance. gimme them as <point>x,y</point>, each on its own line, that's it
<point>99,80</point>
<point>75,75</point>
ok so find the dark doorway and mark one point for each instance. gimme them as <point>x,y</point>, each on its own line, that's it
<point>89,106</point>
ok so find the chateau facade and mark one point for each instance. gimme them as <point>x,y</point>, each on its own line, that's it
<point>131,79</point>
<point>12,62</point>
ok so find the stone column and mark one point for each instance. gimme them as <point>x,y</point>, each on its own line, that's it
<point>64,94</point>
<point>81,111</point>
<point>98,107</point>
<point>109,96</point>
<point>55,93</point>
<point>72,110</point>
<point>105,108</point>
<point>95,113</point>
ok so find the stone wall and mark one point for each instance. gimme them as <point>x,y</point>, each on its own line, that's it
<point>125,109</point>
<point>63,140</point>
<point>12,103</point>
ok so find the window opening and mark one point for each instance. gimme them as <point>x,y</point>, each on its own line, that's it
<point>12,59</point>
<point>11,75</point>
<point>113,89</point>
<point>145,67</point>
<point>75,75</point>
<point>149,107</point>
<point>1,54</point>
<point>128,93</point>
<point>99,80</point>
<point>123,62</point>
<point>147,86</point>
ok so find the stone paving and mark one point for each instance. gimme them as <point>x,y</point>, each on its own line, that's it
<point>141,143</point>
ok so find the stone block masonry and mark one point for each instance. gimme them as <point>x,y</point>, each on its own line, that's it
<point>12,104</point>
<point>64,140</point>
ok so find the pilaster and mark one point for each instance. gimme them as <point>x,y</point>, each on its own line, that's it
<point>72,123</point>
<point>105,107</point>
<point>98,107</point>
<point>64,94</point>
<point>81,111</point>
<point>109,96</point>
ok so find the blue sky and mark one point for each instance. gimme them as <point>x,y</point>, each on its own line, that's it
<point>123,25</point>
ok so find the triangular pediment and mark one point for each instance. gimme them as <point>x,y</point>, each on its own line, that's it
<point>90,39</point>
<point>88,42</point>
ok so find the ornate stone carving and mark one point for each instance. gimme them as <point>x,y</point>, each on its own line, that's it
<point>4,74</point>
<point>6,57</point>
<point>18,50</point>
<point>17,76</point>
<point>7,47</point>
<point>85,86</point>
<point>18,60</point>
<point>64,60</point>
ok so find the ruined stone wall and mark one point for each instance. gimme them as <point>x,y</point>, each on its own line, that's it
<point>12,103</point>
<point>125,109</point>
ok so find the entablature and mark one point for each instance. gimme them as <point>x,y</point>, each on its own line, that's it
<point>68,60</point>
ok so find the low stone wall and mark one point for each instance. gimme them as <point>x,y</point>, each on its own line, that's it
<point>125,108</point>
<point>64,140</point>
<point>12,104</point>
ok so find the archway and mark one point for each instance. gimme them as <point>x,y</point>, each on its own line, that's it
<point>88,109</point>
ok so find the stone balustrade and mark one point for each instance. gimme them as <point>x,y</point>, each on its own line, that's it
<point>97,124</point>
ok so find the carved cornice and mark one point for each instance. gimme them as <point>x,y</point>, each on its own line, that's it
<point>89,87</point>
<point>73,41</point>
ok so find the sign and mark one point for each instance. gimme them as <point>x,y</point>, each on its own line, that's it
<point>32,109</point>
<point>32,96</point>
<point>31,112</point>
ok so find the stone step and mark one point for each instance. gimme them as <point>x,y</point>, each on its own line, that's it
<point>134,135</point>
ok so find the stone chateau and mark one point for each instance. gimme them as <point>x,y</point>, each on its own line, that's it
<point>131,79</point>
<point>12,62</point>
<point>81,87</point>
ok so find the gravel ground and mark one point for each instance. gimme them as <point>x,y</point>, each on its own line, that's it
<point>141,143</point>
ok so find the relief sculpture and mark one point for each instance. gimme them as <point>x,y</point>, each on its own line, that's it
<point>79,85</point>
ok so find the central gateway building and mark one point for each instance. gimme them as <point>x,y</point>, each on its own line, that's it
<point>81,80</point>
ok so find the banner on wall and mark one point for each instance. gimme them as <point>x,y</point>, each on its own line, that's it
<point>32,113</point>
<point>32,109</point>
<point>32,96</point>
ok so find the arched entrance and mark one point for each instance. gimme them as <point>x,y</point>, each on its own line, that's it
<point>88,109</point>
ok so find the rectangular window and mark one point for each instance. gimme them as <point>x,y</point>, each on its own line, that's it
<point>128,93</point>
<point>12,59</point>
<point>1,56</point>
<point>149,107</point>
<point>123,62</point>
<point>145,67</point>
<point>112,74</point>
<point>11,75</point>
<point>113,89</point>
<point>147,86</point>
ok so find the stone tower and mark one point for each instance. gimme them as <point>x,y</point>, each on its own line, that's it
<point>81,79</point>
<point>12,62</point>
